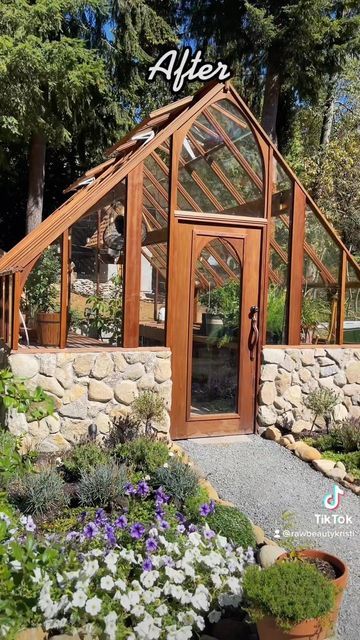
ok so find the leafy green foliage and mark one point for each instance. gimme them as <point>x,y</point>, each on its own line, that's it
<point>177,479</point>
<point>105,314</point>
<point>291,592</point>
<point>40,290</point>
<point>147,408</point>
<point>83,457</point>
<point>11,463</point>
<point>224,301</point>
<point>144,454</point>
<point>15,395</point>
<point>346,435</point>
<point>313,311</point>
<point>275,318</point>
<point>39,494</point>
<point>102,486</point>
<point>70,519</point>
<point>232,523</point>
<point>193,503</point>
<point>321,402</point>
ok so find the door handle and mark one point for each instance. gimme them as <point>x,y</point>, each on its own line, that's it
<point>254,331</point>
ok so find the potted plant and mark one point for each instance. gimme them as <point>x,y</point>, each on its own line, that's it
<point>291,600</point>
<point>223,310</point>
<point>42,295</point>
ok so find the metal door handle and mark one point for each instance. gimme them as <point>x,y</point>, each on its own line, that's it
<point>254,331</point>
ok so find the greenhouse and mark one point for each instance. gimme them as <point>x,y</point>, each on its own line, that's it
<point>193,237</point>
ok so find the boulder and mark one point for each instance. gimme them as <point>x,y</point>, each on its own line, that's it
<point>54,443</point>
<point>293,395</point>
<point>134,371</point>
<point>77,409</point>
<point>126,391</point>
<point>103,366</point>
<point>272,433</point>
<point>51,385</point>
<point>340,465</point>
<point>268,555</point>
<point>349,477</point>
<point>268,372</point>
<point>259,534</point>
<point>83,364</point>
<point>65,375</point>
<point>306,453</point>
<point>267,393</point>
<point>100,392</point>
<point>304,375</point>
<point>74,431</point>
<point>75,393</point>
<point>162,370</point>
<point>31,634</point>
<point>266,416</point>
<point>353,372</point>
<point>336,474</point>
<point>24,366</point>
<point>323,465</point>
<point>273,356</point>
<point>103,423</point>
<point>300,426</point>
<point>120,362</point>
<point>307,357</point>
<point>340,412</point>
<point>282,382</point>
<point>330,370</point>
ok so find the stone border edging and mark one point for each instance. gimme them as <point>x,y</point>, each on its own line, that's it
<point>336,471</point>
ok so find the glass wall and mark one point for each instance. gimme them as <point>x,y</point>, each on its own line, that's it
<point>352,307</point>
<point>280,226</point>
<point>97,258</point>
<point>321,283</point>
<point>154,250</point>
<point>221,165</point>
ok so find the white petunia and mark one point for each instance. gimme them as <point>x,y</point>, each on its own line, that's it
<point>162,610</point>
<point>107,583</point>
<point>110,624</point>
<point>93,606</point>
<point>177,577</point>
<point>147,629</point>
<point>96,553</point>
<point>79,598</point>
<point>214,616</point>
<point>185,633</point>
<point>16,565</point>
<point>120,584</point>
<point>138,611</point>
<point>111,560</point>
<point>90,568</point>
<point>148,578</point>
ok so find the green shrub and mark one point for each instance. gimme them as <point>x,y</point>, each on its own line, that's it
<point>321,402</point>
<point>144,454</point>
<point>232,523</point>
<point>177,479</point>
<point>39,494</point>
<point>193,503</point>
<point>346,435</point>
<point>351,460</point>
<point>70,519</point>
<point>102,485</point>
<point>14,394</point>
<point>11,463</point>
<point>83,457</point>
<point>291,592</point>
<point>147,408</point>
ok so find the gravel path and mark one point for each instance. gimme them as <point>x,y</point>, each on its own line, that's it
<point>264,480</point>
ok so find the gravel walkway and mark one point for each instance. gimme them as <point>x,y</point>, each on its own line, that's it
<point>264,480</point>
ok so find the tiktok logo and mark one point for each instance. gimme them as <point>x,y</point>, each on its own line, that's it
<point>332,500</point>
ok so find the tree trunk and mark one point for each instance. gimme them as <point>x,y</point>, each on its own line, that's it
<point>325,135</point>
<point>271,98</point>
<point>36,182</point>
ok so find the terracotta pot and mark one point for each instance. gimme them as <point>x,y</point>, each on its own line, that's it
<point>48,329</point>
<point>315,629</point>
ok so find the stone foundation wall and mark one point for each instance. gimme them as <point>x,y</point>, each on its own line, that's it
<point>288,375</point>
<point>88,388</point>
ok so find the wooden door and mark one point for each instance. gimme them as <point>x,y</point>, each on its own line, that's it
<point>214,352</point>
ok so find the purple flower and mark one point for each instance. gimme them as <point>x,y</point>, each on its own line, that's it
<point>161,497</point>
<point>151,545</point>
<point>192,528</point>
<point>82,517</point>
<point>129,489</point>
<point>181,528</point>
<point>110,535</point>
<point>159,512</point>
<point>143,489</point>
<point>168,562</point>
<point>137,530</point>
<point>207,508</point>
<point>147,565</point>
<point>101,518</point>
<point>72,535</point>
<point>208,534</point>
<point>249,555</point>
<point>121,522</point>
<point>163,524</point>
<point>180,517</point>
<point>90,530</point>
<point>30,524</point>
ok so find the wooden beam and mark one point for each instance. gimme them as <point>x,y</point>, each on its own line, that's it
<point>132,275</point>
<point>341,300</point>
<point>155,237</point>
<point>296,265</point>
<point>14,311</point>
<point>64,291</point>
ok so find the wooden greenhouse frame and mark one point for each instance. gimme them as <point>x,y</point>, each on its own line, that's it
<point>175,139</point>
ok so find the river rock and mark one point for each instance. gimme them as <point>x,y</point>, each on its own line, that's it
<point>272,433</point>
<point>268,555</point>
<point>336,474</point>
<point>267,393</point>
<point>100,392</point>
<point>353,372</point>
<point>306,453</point>
<point>24,366</point>
<point>323,465</point>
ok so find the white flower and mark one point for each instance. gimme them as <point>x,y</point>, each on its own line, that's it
<point>90,568</point>
<point>185,633</point>
<point>138,611</point>
<point>79,598</point>
<point>147,629</point>
<point>111,561</point>
<point>5,518</point>
<point>96,553</point>
<point>166,465</point>
<point>110,624</point>
<point>162,610</point>
<point>107,583</point>
<point>234,585</point>
<point>171,454</point>
<point>16,565</point>
<point>129,600</point>
<point>147,478</point>
<point>120,584</point>
<point>93,606</point>
<point>214,616</point>
<point>37,575</point>
<point>177,577</point>
<point>148,578</point>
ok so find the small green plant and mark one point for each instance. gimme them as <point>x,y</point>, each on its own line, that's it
<point>83,457</point>
<point>41,293</point>
<point>144,454</point>
<point>102,486</point>
<point>11,462</point>
<point>177,479</point>
<point>275,318</point>
<point>148,408</point>
<point>14,394</point>
<point>232,523</point>
<point>346,435</point>
<point>105,314</point>
<point>313,312</point>
<point>290,592</point>
<point>39,494</point>
<point>322,402</point>
<point>193,503</point>
<point>70,519</point>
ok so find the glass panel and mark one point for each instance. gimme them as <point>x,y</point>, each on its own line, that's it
<point>352,307</point>
<point>216,315</point>
<point>97,259</point>
<point>220,165</point>
<point>153,287</point>
<point>281,219</point>
<point>41,302</point>
<point>321,285</point>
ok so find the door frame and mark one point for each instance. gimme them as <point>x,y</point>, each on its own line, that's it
<point>187,226</point>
